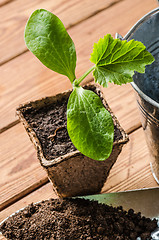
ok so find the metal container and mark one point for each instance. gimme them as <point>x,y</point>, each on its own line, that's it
<point>146,85</point>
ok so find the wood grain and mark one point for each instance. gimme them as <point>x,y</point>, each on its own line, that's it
<point>20,170</point>
<point>43,193</point>
<point>3,2</point>
<point>123,104</point>
<point>24,78</point>
<point>15,15</point>
<point>131,171</point>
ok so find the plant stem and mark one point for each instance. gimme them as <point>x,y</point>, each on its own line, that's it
<point>79,80</point>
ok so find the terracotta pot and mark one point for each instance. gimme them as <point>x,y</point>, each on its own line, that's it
<point>73,174</point>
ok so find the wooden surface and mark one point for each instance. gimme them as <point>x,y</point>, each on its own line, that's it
<point>24,78</point>
<point>38,81</point>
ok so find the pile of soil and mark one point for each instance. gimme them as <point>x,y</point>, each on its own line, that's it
<point>50,125</point>
<point>71,219</point>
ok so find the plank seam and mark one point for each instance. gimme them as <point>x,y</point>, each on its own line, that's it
<point>6,2</point>
<point>10,125</point>
<point>94,13</point>
<point>68,27</point>
<point>24,193</point>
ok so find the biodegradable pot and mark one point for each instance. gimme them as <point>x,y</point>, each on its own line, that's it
<point>71,174</point>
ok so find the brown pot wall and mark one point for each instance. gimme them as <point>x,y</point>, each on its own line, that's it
<point>73,174</point>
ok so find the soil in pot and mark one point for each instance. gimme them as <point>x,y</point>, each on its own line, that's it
<point>50,125</point>
<point>71,173</point>
<point>71,219</point>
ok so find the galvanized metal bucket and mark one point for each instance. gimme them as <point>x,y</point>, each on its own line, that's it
<point>146,85</point>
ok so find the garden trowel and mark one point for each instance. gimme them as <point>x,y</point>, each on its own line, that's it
<point>145,201</point>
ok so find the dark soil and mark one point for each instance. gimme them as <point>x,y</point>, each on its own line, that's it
<point>50,126</point>
<point>72,219</point>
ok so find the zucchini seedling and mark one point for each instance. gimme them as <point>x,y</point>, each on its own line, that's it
<point>89,124</point>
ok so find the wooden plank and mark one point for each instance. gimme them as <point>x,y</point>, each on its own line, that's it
<point>123,103</point>
<point>20,170</point>
<point>3,2</point>
<point>131,171</point>
<point>43,193</point>
<point>17,84</point>
<point>15,15</point>
<point>24,78</point>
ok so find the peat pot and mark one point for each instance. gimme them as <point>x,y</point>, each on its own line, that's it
<point>71,173</point>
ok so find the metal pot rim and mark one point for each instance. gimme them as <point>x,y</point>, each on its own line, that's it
<point>139,22</point>
<point>144,96</point>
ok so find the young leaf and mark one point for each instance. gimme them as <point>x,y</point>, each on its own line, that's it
<point>89,124</point>
<point>47,38</point>
<point>117,60</point>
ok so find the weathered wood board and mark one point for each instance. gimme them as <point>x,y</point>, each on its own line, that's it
<point>15,15</point>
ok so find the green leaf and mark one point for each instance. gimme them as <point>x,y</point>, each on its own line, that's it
<point>89,124</point>
<point>47,38</point>
<point>117,60</point>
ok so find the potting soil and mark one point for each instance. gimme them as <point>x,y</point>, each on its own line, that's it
<point>50,125</point>
<point>72,219</point>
